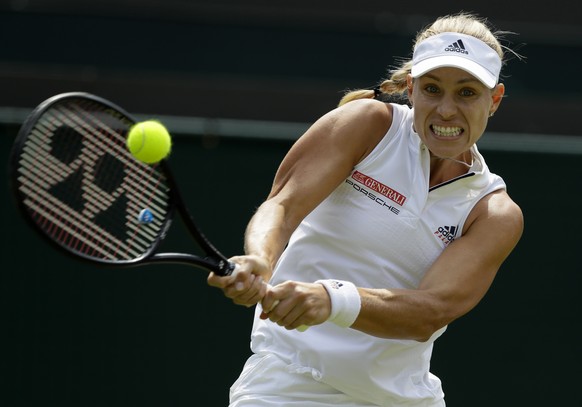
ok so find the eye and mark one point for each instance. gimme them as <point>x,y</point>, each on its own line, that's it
<point>431,89</point>
<point>467,92</point>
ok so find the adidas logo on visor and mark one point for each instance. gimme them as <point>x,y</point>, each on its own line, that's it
<point>457,46</point>
<point>457,50</point>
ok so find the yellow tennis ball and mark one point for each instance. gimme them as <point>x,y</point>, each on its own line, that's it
<point>149,141</point>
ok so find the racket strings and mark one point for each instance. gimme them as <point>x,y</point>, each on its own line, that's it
<point>83,188</point>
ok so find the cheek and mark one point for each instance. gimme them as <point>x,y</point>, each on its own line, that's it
<point>483,116</point>
<point>478,127</point>
<point>418,125</point>
<point>421,112</point>
<point>477,114</point>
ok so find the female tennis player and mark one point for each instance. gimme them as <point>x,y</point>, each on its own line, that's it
<point>383,225</point>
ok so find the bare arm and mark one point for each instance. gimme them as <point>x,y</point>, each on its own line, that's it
<point>455,283</point>
<point>315,165</point>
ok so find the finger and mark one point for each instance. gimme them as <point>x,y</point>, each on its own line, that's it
<point>256,291</point>
<point>268,302</point>
<point>215,280</point>
<point>253,291</point>
<point>273,318</point>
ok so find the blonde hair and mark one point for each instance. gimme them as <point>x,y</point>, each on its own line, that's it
<point>463,22</point>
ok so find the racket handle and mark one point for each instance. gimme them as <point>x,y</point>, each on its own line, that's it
<point>226,269</point>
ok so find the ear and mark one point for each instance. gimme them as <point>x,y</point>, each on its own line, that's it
<point>496,97</point>
<point>409,85</point>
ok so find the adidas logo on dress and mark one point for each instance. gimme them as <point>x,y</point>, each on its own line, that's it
<point>446,233</point>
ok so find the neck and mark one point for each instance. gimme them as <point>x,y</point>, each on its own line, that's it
<point>443,169</point>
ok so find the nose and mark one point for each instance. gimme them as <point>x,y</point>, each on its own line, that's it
<point>447,107</point>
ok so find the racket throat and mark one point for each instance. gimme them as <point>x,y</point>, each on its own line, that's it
<point>221,267</point>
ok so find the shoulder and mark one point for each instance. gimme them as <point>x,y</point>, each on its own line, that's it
<point>498,212</point>
<point>360,123</point>
<point>499,203</point>
<point>367,110</point>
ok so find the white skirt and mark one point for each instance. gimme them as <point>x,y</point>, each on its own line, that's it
<point>268,381</point>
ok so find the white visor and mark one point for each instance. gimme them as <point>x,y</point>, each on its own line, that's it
<point>459,51</point>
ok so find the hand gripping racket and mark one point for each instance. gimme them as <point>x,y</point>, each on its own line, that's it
<point>77,184</point>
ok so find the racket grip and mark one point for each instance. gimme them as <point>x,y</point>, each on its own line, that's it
<point>226,269</point>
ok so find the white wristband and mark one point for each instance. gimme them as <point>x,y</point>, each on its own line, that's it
<point>345,301</point>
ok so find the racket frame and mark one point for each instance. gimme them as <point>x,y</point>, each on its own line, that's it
<point>213,260</point>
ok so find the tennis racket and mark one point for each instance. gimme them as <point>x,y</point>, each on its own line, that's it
<point>79,187</point>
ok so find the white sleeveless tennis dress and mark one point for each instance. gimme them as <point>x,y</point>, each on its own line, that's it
<point>381,228</point>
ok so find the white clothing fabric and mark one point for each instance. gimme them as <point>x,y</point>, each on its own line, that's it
<point>382,227</point>
<point>268,381</point>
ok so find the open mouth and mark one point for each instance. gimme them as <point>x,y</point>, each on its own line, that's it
<point>445,131</point>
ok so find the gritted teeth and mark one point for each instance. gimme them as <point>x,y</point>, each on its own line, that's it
<point>446,131</point>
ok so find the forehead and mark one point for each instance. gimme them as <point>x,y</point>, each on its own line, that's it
<point>451,75</point>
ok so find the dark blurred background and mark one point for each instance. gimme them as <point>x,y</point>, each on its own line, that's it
<point>237,83</point>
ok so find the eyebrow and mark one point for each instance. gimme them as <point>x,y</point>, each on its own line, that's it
<point>470,78</point>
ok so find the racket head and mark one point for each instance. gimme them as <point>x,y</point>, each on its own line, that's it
<point>76,183</point>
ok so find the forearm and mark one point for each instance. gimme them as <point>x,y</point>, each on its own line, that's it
<point>400,314</point>
<point>268,232</point>
<point>453,285</point>
<point>264,241</point>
